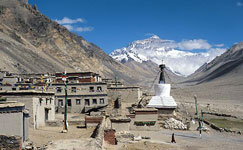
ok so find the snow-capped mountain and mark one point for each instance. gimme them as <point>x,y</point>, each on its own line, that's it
<point>182,62</point>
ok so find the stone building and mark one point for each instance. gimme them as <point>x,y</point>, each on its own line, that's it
<point>41,105</point>
<point>85,89</point>
<point>79,77</point>
<point>14,120</point>
<point>145,119</point>
<point>81,96</point>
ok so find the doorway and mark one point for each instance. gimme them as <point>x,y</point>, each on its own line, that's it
<point>46,114</point>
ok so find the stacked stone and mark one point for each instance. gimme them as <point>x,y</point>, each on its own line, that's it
<point>124,136</point>
<point>174,124</point>
<point>10,142</point>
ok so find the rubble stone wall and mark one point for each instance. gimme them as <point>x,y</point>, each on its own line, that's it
<point>10,142</point>
<point>99,136</point>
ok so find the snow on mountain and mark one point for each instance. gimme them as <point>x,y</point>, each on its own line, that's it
<point>183,62</point>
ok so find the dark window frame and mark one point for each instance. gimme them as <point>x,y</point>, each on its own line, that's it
<point>59,89</point>
<point>102,101</point>
<point>86,102</point>
<point>60,100</point>
<point>99,89</point>
<point>91,89</point>
<point>94,101</point>
<point>78,101</point>
<point>69,104</point>
<point>73,89</point>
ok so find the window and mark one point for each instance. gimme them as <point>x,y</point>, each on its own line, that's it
<point>73,89</point>
<point>59,89</point>
<point>91,89</point>
<point>87,102</point>
<point>60,102</point>
<point>14,89</point>
<point>50,100</point>
<point>69,102</point>
<point>102,101</point>
<point>78,101</point>
<point>99,89</point>
<point>94,101</point>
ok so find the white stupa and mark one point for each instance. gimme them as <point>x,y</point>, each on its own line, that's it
<point>162,98</point>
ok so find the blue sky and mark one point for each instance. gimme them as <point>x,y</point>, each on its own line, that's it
<point>112,24</point>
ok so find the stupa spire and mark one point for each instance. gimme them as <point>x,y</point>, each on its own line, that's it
<point>162,74</point>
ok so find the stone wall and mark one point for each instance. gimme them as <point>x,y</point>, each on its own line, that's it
<point>99,135</point>
<point>145,116</point>
<point>11,124</point>
<point>120,124</point>
<point>10,142</point>
<point>126,94</point>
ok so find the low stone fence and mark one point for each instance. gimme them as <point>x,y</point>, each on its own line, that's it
<point>10,142</point>
<point>59,123</point>
<point>219,114</point>
<point>98,134</point>
<point>220,129</point>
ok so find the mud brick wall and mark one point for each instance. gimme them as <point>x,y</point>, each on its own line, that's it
<point>109,136</point>
<point>91,121</point>
<point>10,142</point>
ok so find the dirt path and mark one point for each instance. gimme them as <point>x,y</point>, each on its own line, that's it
<point>190,139</point>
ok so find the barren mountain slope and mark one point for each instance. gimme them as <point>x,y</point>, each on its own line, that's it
<point>31,42</point>
<point>226,65</point>
<point>221,79</point>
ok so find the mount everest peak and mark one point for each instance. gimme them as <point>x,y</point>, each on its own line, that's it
<point>177,58</point>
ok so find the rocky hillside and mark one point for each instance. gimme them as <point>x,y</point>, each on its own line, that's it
<point>228,65</point>
<point>221,79</point>
<point>31,42</point>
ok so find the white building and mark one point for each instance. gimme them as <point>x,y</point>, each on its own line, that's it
<point>14,120</point>
<point>41,105</point>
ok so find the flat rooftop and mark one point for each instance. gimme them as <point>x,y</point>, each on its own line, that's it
<point>125,87</point>
<point>145,109</point>
<point>11,104</point>
<point>25,92</point>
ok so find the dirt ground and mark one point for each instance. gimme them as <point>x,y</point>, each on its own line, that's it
<point>185,140</point>
<point>190,140</point>
<point>42,136</point>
